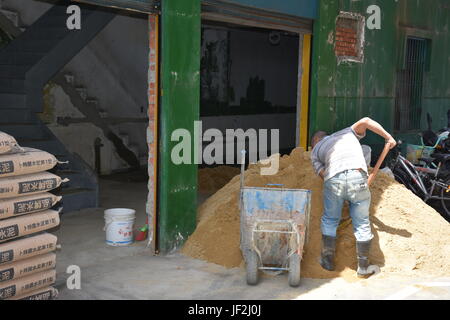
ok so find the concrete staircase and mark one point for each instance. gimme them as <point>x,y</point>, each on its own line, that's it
<point>103,117</point>
<point>124,138</point>
<point>26,65</point>
<point>95,114</point>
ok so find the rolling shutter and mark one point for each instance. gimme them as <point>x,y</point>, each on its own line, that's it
<point>215,10</point>
<point>146,6</point>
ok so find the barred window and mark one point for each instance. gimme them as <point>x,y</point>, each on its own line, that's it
<point>409,86</point>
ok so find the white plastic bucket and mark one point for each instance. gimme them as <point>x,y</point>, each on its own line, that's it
<point>119,224</point>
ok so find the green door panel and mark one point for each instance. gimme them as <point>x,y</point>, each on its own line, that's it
<point>180,104</point>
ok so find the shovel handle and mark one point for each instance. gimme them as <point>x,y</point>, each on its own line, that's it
<point>378,164</point>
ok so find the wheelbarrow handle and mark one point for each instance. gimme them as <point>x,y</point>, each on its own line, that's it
<point>242,177</point>
<point>242,167</point>
<point>378,164</point>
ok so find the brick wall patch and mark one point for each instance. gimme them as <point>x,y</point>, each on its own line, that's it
<point>349,37</point>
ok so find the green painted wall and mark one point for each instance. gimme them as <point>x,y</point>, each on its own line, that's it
<point>180,84</point>
<point>342,94</point>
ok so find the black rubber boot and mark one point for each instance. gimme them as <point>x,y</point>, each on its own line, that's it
<point>328,252</point>
<point>362,251</point>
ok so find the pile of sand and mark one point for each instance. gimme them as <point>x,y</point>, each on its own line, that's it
<point>410,237</point>
<point>212,179</point>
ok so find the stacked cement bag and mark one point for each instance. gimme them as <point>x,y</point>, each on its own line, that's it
<point>27,258</point>
<point>7,143</point>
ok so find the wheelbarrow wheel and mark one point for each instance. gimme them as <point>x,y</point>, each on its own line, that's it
<point>252,268</point>
<point>294,270</point>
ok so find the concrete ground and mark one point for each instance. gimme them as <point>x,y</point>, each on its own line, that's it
<point>133,273</point>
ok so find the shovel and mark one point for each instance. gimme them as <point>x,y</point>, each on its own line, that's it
<point>374,269</point>
<point>378,164</point>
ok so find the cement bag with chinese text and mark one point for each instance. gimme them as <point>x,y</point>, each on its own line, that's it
<point>28,224</point>
<point>29,184</point>
<point>8,143</point>
<point>27,284</point>
<point>48,293</point>
<point>27,247</point>
<point>27,204</point>
<point>27,267</point>
<point>29,161</point>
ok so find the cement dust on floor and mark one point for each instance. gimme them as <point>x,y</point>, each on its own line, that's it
<point>133,273</point>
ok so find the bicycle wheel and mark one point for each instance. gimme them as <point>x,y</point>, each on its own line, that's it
<point>402,177</point>
<point>446,203</point>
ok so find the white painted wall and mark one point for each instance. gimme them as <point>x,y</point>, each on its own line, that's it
<point>113,67</point>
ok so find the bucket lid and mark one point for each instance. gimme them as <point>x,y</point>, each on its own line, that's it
<point>114,212</point>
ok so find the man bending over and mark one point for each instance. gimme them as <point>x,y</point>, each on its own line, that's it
<point>339,160</point>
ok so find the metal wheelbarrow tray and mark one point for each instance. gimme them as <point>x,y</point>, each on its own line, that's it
<point>274,228</point>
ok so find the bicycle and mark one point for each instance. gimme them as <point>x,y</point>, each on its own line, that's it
<point>422,151</point>
<point>425,182</point>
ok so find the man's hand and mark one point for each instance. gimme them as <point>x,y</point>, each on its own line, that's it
<point>392,143</point>
<point>322,173</point>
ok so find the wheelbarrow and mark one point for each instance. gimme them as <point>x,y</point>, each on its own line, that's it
<point>273,228</point>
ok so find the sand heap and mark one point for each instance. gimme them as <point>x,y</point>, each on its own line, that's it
<point>410,237</point>
<point>212,179</point>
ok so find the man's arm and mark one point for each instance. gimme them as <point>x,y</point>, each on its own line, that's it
<point>318,166</point>
<point>362,125</point>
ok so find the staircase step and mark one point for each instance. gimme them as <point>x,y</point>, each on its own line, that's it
<point>54,21</point>
<point>12,85</point>
<point>125,138</point>
<point>76,199</point>
<point>58,14</point>
<point>11,15</point>
<point>52,146</point>
<point>103,114</point>
<point>64,157</point>
<point>77,178</point>
<point>70,78</point>
<point>43,33</point>
<point>143,160</point>
<point>92,101</point>
<point>20,58</point>
<point>82,91</point>
<point>21,116</point>
<point>13,71</point>
<point>36,46</point>
<point>134,148</point>
<point>24,131</point>
<point>13,100</point>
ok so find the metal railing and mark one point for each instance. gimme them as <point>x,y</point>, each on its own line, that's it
<point>408,100</point>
